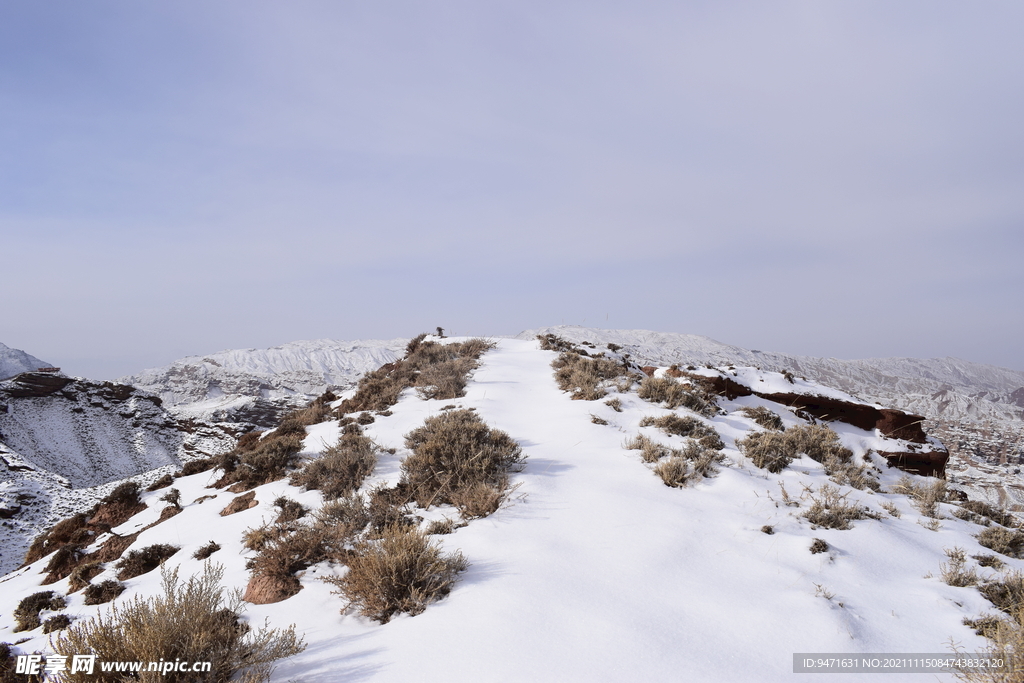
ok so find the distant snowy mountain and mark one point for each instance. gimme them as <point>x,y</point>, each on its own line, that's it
<point>938,388</point>
<point>259,385</point>
<point>14,361</point>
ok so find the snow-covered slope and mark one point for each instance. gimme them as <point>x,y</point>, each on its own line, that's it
<point>258,385</point>
<point>948,388</point>
<point>597,571</point>
<point>64,441</point>
<point>14,361</point>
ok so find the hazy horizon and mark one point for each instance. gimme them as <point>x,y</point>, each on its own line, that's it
<point>815,178</point>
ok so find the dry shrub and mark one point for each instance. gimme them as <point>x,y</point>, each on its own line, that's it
<point>26,614</point>
<point>764,417</point>
<point>199,465</point>
<point>388,507</point>
<point>987,511</point>
<point>598,420</point>
<point>341,469</point>
<point>63,562</point>
<point>440,371</point>
<point>774,451</point>
<point>925,498</point>
<point>481,499</point>
<point>702,458</point>
<point>404,571</point>
<point>139,562</point>
<point>989,561</point>
<point>190,621</point>
<point>819,546</point>
<point>955,572</point>
<point>255,539</point>
<point>1009,542</point>
<point>830,510</point>
<point>289,510</point>
<point>82,575</point>
<point>161,483</point>
<point>615,404</point>
<point>685,426</point>
<point>584,378</point>
<point>675,394</point>
<point>265,463</point>
<point>58,622</point>
<point>453,452</point>
<point>207,550</point>
<point>443,527</point>
<point>119,506</point>
<point>71,531</point>
<point>105,591</point>
<point>552,342</point>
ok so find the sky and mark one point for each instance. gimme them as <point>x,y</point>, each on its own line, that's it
<point>821,178</point>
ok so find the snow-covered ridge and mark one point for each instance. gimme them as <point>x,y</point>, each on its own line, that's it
<point>597,571</point>
<point>15,361</point>
<point>257,385</point>
<point>941,388</point>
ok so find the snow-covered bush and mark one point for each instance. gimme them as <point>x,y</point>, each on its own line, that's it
<point>685,426</point>
<point>139,562</point>
<point>105,591</point>
<point>403,571</point>
<point>584,377</point>
<point>774,451</point>
<point>830,509</point>
<point>453,453</point>
<point>341,469</point>
<point>674,394</point>
<point>764,417</point>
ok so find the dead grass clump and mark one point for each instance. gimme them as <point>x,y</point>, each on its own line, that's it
<point>552,342</point>
<point>139,562</point>
<point>989,561</point>
<point>703,459</point>
<point>650,451</point>
<point>481,499</point>
<point>454,452</point>
<point>771,451</point>
<point>200,465</point>
<point>819,546</point>
<point>584,378</point>
<point>341,469</point>
<point>404,571</point>
<point>675,471</point>
<point>99,593</point>
<point>1006,592</point>
<point>955,572</point>
<point>26,614</point>
<point>675,394</point>
<point>819,443</point>
<point>1009,542</point>
<point>190,621</point>
<point>830,510</point>
<point>615,404</point>
<point>207,550</point>
<point>764,417</point>
<point>443,527</point>
<point>257,538</point>
<point>925,498</point>
<point>685,426</point>
<point>82,575</point>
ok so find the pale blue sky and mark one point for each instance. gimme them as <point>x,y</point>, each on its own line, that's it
<point>827,178</point>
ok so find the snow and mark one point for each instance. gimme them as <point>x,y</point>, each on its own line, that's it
<point>597,571</point>
<point>16,361</point>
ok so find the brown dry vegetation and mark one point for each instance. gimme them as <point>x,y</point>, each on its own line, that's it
<point>924,497</point>
<point>685,426</point>
<point>674,394</point>
<point>191,621</point>
<point>585,378</point>
<point>774,451</point>
<point>439,371</point>
<point>26,614</point>
<point>139,562</point>
<point>764,417</point>
<point>455,457</point>
<point>340,469</point>
<point>832,511</point>
<point>403,571</point>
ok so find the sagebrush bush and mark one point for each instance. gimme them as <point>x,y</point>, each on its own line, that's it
<point>830,510</point>
<point>74,530</point>
<point>57,622</point>
<point>774,451</point>
<point>439,371</point>
<point>266,462</point>
<point>403,571</point>
<point>26,614</point>
<point>139,562</point>
<point>289,510</point>
<point>452,453</point>
<point>685,426</point>
<point>82,575</point>
<point>956,572</point>
<point>1009,542</point>
<point>584,378</point>
<point>341,468</point>
<point>105,591</point>
<point>650,450</point>
<point>161,483</point>
<point>989,512</point>
<point>190,621</point>
<point>924,497</point>
<point>764,417</point>
<point>675,471</point>
<point>207,550</point>
<point>675,394</point>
